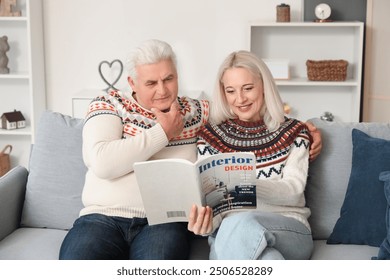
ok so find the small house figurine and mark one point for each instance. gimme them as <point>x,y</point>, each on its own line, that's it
<point>13,120</point>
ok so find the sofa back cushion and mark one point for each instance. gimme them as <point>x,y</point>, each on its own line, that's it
<point>384,250</point>
<point>56,173</point>
<point>362,216</point>
<point>329,174</point>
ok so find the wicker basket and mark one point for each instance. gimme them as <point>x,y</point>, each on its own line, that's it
<point>327,70</point>
<point>4,160</point>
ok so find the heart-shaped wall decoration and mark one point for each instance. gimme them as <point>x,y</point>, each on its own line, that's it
<point>108,69</point>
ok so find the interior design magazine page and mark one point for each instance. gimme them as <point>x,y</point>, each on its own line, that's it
<point>169,187</point>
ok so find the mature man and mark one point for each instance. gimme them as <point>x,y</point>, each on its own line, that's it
<point>121,128</point>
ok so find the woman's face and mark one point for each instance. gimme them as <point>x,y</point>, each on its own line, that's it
<point>244,93</point>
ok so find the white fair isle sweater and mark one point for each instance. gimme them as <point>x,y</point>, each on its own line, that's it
<point>118,132</point>
<point>282,160</point>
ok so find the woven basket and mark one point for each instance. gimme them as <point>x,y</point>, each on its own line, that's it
<point>4,160</point>
<point>327,70</point>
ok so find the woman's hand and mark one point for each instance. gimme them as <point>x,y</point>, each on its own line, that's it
<point>200,220</point>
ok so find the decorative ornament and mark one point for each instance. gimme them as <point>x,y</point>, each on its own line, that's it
<point>286,108</point>
<point>283,13</point>
<point>12,120</point>
<point>110,67</point>
<point>323,12</point>
<point>6,9</point>
<point>4,47</point>
<point>327,116</point>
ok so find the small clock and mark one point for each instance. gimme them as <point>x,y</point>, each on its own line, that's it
<point>323,12</point>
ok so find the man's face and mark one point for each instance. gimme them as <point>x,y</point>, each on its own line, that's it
<point>156,85</point>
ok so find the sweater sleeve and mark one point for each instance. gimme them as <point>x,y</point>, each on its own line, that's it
<point>111,156</point>
<point>288,189</point>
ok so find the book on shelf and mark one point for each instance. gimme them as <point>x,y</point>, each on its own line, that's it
<point>169,187</point>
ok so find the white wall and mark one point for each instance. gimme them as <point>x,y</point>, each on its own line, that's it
<point>377,68</point>
<point>79,34</point>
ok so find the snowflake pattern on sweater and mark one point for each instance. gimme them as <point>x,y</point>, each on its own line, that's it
<point>136,118</point>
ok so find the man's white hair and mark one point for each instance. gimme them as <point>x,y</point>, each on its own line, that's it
<point>149,52</point>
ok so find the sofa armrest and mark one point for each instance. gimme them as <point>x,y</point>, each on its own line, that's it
<point>12,193</point>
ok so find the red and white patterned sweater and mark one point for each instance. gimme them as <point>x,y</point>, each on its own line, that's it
<point>282,161</point>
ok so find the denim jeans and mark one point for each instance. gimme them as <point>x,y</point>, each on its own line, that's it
<point>100,237</point>
<point>259,235</point>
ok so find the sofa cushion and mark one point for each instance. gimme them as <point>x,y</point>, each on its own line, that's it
<point>362,216</point>
<point>329,173</point>
<point>56,173</point>
<point>12,190</point>
<point>32,244</point>
<point>384,250</point>
<point>323,251</point>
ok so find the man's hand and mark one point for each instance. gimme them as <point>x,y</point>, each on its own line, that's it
<point>200,220</point>
<point>316,146</point>
<point>171,121</point>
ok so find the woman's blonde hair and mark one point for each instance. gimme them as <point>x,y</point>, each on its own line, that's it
<point>271,112</point>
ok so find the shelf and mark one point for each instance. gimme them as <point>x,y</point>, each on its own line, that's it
<point>305,24</point>
<point>19,131</point>
<point>306,82</point>
<point>22,18</point>
<point>15,76</point>
<point>88,93</point>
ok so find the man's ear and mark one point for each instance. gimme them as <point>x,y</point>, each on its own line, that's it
<point>131,83</point>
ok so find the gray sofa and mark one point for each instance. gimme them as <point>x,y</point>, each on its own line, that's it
<point>39,205</point>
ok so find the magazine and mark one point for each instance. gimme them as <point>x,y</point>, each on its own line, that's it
<point>169,187</point>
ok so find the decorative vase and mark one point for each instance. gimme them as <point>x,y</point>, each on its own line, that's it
<point>4,47</point>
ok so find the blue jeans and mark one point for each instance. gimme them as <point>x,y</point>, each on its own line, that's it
<point>258,235</point>
<point>100,237</point>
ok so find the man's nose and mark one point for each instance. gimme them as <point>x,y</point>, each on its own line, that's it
<point>161,89</point>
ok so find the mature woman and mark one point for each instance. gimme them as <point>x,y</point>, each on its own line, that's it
<point>248,115</point>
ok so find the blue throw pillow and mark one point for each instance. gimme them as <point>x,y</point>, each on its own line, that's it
<point>362,215</point>
<point>384,250</point>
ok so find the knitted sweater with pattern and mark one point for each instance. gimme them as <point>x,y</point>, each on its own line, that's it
<point>118,132</point>
<point>282,158</point>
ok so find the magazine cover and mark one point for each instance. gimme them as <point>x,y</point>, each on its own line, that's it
<point>231,184</point>
<point>169,187</point>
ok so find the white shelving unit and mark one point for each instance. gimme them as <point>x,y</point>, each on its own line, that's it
<point>81,100</point>
<point>300,41</point>
<point>23,89</point>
